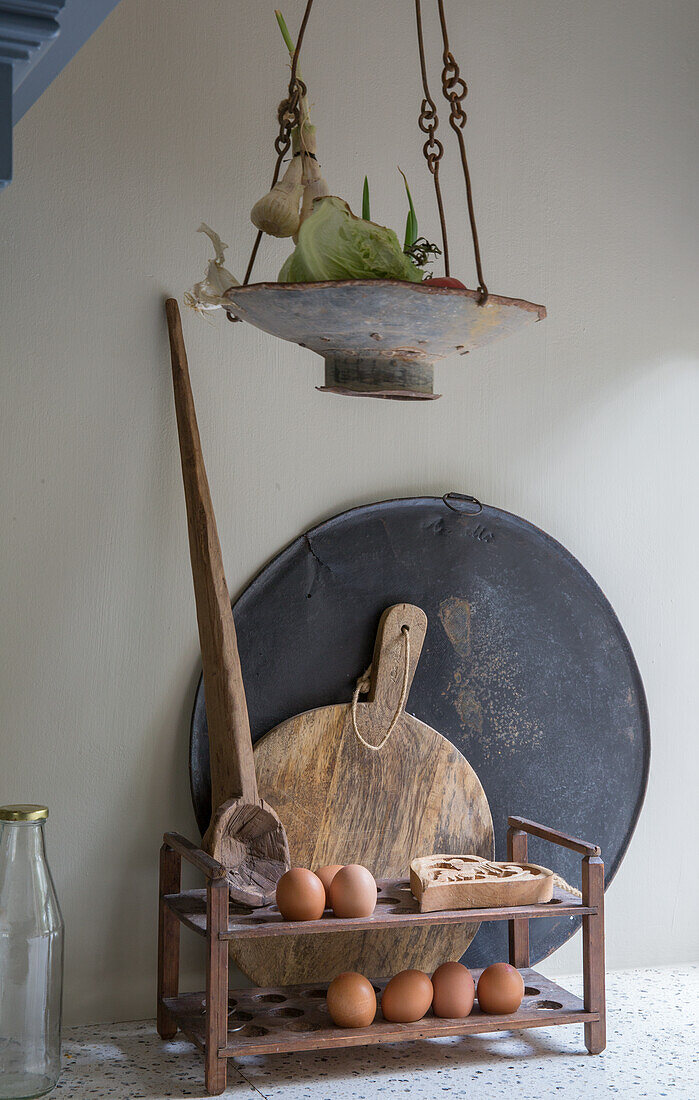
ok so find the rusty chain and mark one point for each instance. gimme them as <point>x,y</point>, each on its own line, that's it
<point>455,91</point>
<point>428,122</point>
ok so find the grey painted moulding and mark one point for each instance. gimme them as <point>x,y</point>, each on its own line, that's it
<point>37,40</point>
<point>380,337</point>
<point>27,30</point>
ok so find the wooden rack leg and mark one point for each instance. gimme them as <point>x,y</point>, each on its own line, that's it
<point>216,985</point>
<point>518,930</point>
<point>168,941</point>
<point>593,953</point>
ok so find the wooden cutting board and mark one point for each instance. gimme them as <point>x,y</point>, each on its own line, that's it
<point>525,667</point>
<point>343,802</point>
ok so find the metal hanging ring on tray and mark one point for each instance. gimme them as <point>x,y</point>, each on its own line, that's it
<point>464,498</point>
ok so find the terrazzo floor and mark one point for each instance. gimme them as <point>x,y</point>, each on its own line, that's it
<point>653,1051</point>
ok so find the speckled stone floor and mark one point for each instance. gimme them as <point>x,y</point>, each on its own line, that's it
<point>653,1051</point>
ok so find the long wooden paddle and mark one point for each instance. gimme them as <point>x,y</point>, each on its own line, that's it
<point>245,833</point>
<point>369,784</point>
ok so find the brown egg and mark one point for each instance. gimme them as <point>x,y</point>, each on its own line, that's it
<point>407,997</point>
<point>353,892</point>
<point>351,1000</point>
<point>454,991</point>
<point>300,895</point>
<point>326,875</point>
<point>500,989</point>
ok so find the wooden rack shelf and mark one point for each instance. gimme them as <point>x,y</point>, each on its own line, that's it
<point>226,1024</point>
<point>395,906</point>
<point>275,1021</point>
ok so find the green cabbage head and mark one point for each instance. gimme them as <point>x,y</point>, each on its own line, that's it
<point>335,244</point>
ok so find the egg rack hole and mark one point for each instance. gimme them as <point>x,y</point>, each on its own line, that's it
<point>226,1024</point>
<point>296,1018</point>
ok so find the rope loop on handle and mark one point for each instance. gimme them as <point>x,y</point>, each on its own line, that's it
<point>363,685</point>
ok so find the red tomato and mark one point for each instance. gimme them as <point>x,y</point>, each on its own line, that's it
<point>446,280</point>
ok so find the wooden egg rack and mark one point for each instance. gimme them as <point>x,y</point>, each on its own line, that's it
<point>226,1023</point>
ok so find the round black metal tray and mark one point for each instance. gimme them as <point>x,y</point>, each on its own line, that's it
<point>525,667</point>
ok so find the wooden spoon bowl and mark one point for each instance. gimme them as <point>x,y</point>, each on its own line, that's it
<point>250,841</point>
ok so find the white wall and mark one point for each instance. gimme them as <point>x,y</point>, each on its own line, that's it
<point>583,136</point>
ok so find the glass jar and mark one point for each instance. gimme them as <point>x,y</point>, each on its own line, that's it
<point>31,958</point>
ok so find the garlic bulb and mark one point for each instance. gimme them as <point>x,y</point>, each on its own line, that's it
<point>208,294</point>
<point>278,212</point>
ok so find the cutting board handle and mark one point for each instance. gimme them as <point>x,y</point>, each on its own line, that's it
<point>388,663</point>
<point>230,745</point>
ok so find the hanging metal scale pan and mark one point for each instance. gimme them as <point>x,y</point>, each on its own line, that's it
<point>525,668</point>
<point>380,337</point>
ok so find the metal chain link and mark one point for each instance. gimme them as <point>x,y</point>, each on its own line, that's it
<point>428,122</point>
<point>455,91</point>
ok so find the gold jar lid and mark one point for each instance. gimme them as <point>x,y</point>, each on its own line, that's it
<point>23,813</point>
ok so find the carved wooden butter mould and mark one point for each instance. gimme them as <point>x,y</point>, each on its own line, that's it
<point>470,882</point>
